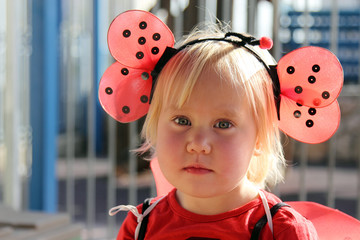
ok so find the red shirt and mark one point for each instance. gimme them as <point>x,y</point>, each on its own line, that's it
<point>168,220</point>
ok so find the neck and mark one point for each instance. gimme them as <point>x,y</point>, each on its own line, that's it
<point>213,205</point>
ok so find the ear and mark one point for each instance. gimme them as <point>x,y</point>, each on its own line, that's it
<point>257,148</point>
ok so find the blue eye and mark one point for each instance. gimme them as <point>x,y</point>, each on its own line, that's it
<point>182,121</point>
<point>223,124</point>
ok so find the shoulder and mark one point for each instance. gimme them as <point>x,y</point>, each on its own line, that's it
<point>128,227</point>
<point>290,224</point>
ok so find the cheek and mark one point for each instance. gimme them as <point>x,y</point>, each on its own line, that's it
<point>169,154</point>
<point>167,139</point>
<point>169,146</point>
<point>237,152</point>
<point>235,164</point>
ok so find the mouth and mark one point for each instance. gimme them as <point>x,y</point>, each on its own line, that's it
<point>197,169</point>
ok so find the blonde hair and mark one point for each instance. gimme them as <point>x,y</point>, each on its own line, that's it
<point>246,73</point>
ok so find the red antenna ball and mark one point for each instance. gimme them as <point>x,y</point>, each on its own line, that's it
<point>266,43</point>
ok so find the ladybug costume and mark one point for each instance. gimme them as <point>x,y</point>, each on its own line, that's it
<point>307,82</point>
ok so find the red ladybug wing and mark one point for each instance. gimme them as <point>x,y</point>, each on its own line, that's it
<point>137,39</point>
<point>124,92</point>
<point>311,76</point>
<point>306,124</point>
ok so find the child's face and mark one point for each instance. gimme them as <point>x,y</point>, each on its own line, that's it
<point>204,148</point>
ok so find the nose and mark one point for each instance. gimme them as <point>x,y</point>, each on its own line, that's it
<point>199,143</point>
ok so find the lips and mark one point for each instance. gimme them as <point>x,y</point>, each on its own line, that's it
<point>197,169</point>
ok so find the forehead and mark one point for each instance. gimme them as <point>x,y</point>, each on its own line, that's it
<point>194,78</point>
<point>213,89</point>
<point>197,68</point>
<point>216,85</point>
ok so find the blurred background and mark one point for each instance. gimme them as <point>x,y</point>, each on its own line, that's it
<point>59,151</point>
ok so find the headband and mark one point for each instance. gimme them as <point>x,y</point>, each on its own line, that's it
<point>307,81</point>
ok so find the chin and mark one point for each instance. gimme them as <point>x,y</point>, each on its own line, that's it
<point>201,191</point>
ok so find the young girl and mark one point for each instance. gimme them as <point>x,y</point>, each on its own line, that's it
<point>213,126</point>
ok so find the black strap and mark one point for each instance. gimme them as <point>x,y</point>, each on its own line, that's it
<point>145,220</point>
<point>262,222</point>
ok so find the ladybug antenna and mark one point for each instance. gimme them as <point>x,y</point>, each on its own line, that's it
<point>263,42</point>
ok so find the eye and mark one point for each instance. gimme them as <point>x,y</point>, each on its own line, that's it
<point>223,124</point>
<point>182,121</point>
